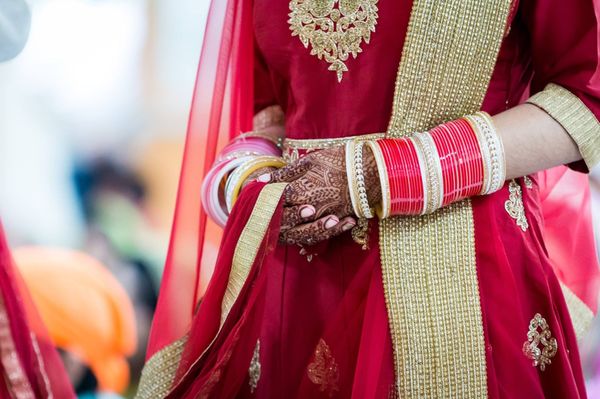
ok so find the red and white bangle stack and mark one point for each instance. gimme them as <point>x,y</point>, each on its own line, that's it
<point>235,163</point>
<point>427,171</point>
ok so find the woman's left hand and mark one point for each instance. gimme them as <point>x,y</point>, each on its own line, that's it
<point>317,203</point>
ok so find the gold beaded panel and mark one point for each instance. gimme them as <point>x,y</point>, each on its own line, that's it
<point>429,269</point>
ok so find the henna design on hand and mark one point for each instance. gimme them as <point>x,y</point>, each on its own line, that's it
<point>319,179</point>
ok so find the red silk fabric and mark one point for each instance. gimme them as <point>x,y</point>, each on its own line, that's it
<point>338,297</point>
<point>34,355</point>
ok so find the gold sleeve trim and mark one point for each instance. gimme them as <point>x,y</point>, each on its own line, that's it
<point>575,117</point>
<point>581,315</point>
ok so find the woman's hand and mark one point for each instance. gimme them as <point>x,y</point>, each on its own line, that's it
<point>317,203</point>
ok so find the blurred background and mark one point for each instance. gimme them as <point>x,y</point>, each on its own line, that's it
<point>92,122</point>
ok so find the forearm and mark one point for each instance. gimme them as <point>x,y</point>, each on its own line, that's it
<point>533,141</point>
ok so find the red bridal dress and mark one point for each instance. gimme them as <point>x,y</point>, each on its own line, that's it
<point>484,298</point>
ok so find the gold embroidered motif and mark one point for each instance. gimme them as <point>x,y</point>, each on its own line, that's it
<point>323,371</point>
<point>528,182</point>
<point>514,205</point>
<point>539,334</point>
<point>335,29</point>
<point>254,369</point>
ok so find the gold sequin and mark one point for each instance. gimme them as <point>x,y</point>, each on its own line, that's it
<point>159,371</point>
<point>254,369</point>
<point>514,205</point>
<point>575,117</point>
<point>323,371</point>
<point>334,29</point>
<point>540,346</point>
<point>14,375</point>
<point>429,270</point>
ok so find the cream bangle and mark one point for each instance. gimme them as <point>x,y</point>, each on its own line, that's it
<point>435,187</point>
<point>350,146</point>
<point>241,173</point>
<point>356,179</point>
<point>363,199</point>
<point>384,208</point>
<point>492,151</point>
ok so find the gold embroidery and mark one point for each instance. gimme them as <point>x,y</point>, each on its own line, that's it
<point>159,371</point>
<point>323,371</point>
<point>14,375</point>
<point>577,119</point>
<point>581,315</point>
<point>428,262</point>
<point>335,29</point>
<point>528,182</point>
<point>249,243</point>
<point>254,369</point>
<point>539,334</point>
<point>514,205</point>
<point>360,233</point>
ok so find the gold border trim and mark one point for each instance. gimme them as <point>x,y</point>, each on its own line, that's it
<point>249,243</point>
<point>428,262</point>
<point>575,117</point>
<point>159,372</point>
<point>581,315</point>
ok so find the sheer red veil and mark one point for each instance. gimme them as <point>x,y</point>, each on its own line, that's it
<point>222,107</point>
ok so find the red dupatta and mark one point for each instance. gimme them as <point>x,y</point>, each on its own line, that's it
<point>221,108</point>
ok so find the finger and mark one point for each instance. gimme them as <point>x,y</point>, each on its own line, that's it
<point>291,172</point>
<point>298,192</point>
<point>297,214</point>
<point>319,230</point>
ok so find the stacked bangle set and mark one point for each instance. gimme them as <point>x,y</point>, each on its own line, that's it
<point>248,153</point>
<point>418,174</point>
<point>427,171</point>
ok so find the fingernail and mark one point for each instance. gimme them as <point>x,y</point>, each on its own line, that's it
<point>331,222</point>
<point>264,178</point>
<point>307,211</point>
<point>348,225</point>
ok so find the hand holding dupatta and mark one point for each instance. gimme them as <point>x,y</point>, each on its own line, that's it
<point>317,202</point>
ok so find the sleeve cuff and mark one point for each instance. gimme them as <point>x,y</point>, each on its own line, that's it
<point>575,117</point>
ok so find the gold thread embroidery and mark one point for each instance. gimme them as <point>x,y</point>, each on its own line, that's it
<point>428,262</point>
<point>581,315</point>
<point>14,375</point>
<point>323,371</point>
<point>539,334</point>
<point>577,119</point>
<point>249,243</point>
<point>528,182</point>
<point>254,369</point>
<point>158,372</point>
<point>514,205</point>
<point>335,29</point>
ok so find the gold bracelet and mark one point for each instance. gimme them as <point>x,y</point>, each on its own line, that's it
<point>241,173</point>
